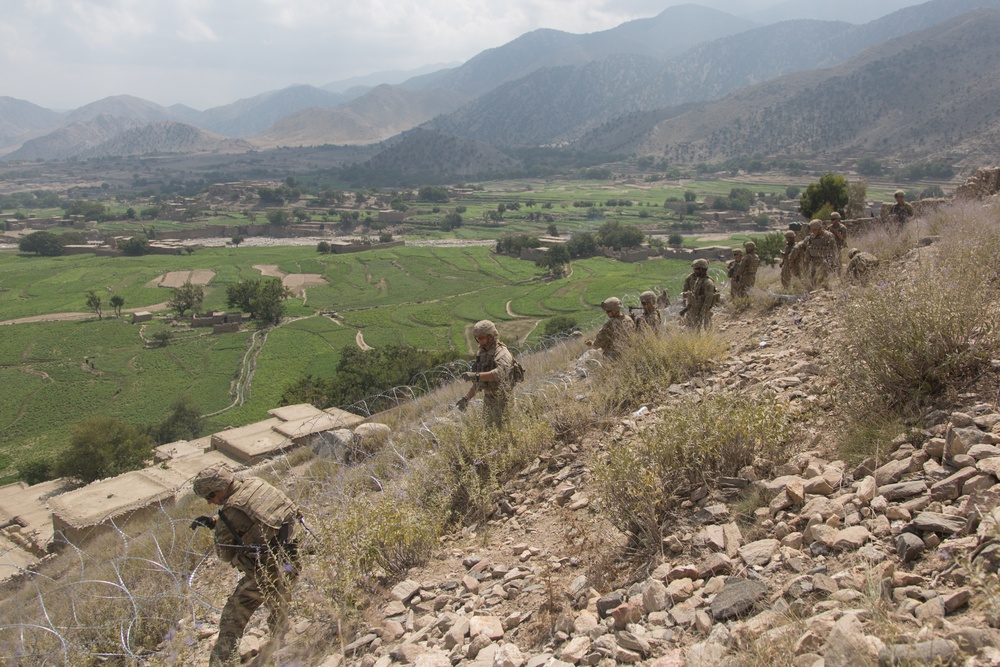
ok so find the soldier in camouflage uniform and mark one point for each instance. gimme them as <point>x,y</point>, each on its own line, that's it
<point>901,211</point>
<point>839,232</point>
<point>649,319</point>
<point>748,267</point>
<point>733,273</point>
<point>700,296</point>
<point>616,332</point>
<point>860,266</point>
<point>820,252</point>
<point>789,268</point>
<point>491,373</point>
<point>255,533</point>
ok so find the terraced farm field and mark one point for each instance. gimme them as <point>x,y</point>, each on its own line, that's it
<point>427,297</point>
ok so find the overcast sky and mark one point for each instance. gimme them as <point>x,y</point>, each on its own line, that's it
<point>62,54</point>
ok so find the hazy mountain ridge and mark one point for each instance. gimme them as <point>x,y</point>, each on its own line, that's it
<point>165,137</point>
<point>377,115</point>
<point>73,139</point>
<point>430,156</point>
<point>251,115</point>
<point>670,33</point>
<point>20,119</point>
<point>932,93</point>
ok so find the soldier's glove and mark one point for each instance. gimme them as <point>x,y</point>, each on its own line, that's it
<point>462,404</point>
<point>204,521</point>
<point>469,377</point>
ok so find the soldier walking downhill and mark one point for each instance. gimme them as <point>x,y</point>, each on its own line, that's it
<point>616,332</point>
<point>839,232</point>
<point>649,319</point>
<point>820,254</point>
<point>490,373</point>
<point>255,533</point>
<point>733,273</point>
<point>789,260</point>
<point>748,267</point>
<point>700,296</point>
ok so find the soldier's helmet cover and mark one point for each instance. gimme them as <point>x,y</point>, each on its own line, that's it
<point>647,297</point>
<point>485,328</point>
<point>611,304</point>
<point>789,234</point>
<point>815,224</point>
<point>898,193</point>
<point>737,251</point>
<point>750,245</point>
<point>216,477</point>
<point>699,264</point>
<point>852,252</point>
<point>835,216</point>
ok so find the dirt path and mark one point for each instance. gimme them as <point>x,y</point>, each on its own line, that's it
<point>75,317</point>
<point>509,311</point>
<point>360,340</point>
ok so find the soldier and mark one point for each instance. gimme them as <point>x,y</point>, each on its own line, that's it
<point>615,333</point>
<point>901,211</point>
<point>860,266</point>
<point>748,267</point>
<point>700,296</point>
<point>839,232</point>
<point>789,261</point>
<point>491,373</point>
<point>255,533</point>
<point>649,318</point>
<point>733,273</point>
<point>820,250</point>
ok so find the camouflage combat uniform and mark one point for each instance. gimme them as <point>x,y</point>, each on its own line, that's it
<point>747,271</point>
<point>861,266</point>
<point>901,212</point>
<point>789,262</point>
<point>496,393</point>
<point>648,321</point>
<point>255,534</point>
<point>614,335</point>
<point>733,273</point>
<point>820,254</point>
<point>701,297</point>
<point>839,232</point>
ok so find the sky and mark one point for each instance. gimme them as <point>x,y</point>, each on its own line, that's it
<point>62,54</point>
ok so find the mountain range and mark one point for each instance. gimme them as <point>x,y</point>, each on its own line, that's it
<point>691,84</point>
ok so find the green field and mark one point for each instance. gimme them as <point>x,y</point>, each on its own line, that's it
<point>426,297</point>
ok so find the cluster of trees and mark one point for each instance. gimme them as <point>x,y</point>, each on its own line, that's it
<point>512,244</point>
<point>616,235</point>
<point>42,244</point>
<point>739,199</point>
<point>263,298</point>
<point>288,191</point>
<point>433,193</point>
<point>32,199</point>
<point>367,375</point>
<point>102,447</point>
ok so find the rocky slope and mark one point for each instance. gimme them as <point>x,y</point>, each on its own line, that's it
<point>837,565</point>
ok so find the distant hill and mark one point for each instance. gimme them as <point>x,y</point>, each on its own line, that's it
<point>852,11</point>
<point>670,33</point>
<point>391,77</point>
<point>165,137</point>
<point>249,116</point>
<point>75,138</point>
<point>932,93</point>
<point>121,106</point>
<point>557,104</point>
<point>379,114</point>
<point>428,156</point>
<point>20,120</point>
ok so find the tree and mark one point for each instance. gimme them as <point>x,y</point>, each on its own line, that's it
<point>278,217</point>
<point>432,193</point>
<point>117,301</point>
<point>830,189</point>
<point>616,235</point>
<point>769,247</point>
<point>581,245</point>
<point>103,447</point>
<point>857,198</point>
<point>554,259</point>
<point>43,244</point>
<point>135,246</point>
<point>161,338</point>
<point>451,221</point>
<point>869,166</point>
<point>792,192</point>
<point>932,192</point>
<point>552,230</point>
<point>263,299</point>
<point>184,422</point>
<point>675,240</point>
<point>559,325</point>
<point>186,297</point>
<point>690,196</point>
<point>94,304</point>
<point>237,240</point>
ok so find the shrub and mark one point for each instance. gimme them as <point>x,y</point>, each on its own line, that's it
<point>697,441</point>
<point>652,362</point>
<point>921,334</point>
<point>103,447</point>
<point>559,325</point>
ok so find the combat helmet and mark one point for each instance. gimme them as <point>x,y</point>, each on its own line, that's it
<point>647,297</point>
<point>852,252</point>
<point>815,224</point>
<point>789,234</point>
<point>485,328</point>
<point>215,478</point>
<point>750,246</point>
<point>611,304</point>
<point>699,264</point>
<point>835,216</point>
